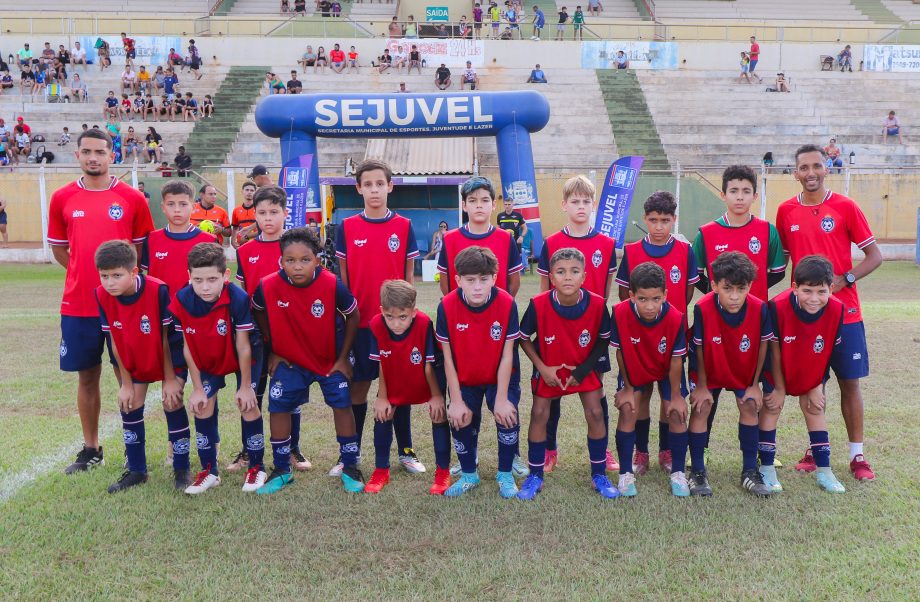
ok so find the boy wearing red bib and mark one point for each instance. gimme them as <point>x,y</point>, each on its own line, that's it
<point>572,329</point>
<point>808,323</point>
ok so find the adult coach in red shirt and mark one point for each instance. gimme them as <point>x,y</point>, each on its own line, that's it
<point>83,215</point>
<point>820,222</point>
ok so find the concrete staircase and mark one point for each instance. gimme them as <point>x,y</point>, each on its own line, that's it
<point>792,10</point>
<point>613,9</point>
<point>630,118</point>
<point>83,8</point>
<point>876,11</point>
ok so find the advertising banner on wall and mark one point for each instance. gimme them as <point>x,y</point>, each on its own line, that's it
<point>891,58</point>
<point>151,50</point>
<point>453,52</point>
<point>599,54</point>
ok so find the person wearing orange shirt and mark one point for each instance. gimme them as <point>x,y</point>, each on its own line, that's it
<point>207,209</point>
<point>243,221</point>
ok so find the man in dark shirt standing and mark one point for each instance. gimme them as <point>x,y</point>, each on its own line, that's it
<point>294,85</point>
<point>183,162</point>
<point>512,222</point>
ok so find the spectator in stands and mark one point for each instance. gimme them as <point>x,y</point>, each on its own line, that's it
<point>3,65</point>
<point>65,137</point>
<point>191,107</point>
<point>143,80</point>
<point>41,80</point>
<point>131,145</point>
<point>27,80</point>
<point>463,28</point>
<point>183,162</point>
<point>22,143</point>
<point>207,107</point>
<point>178,106</point>
<point>441,31</point>
<point>294,85</point>
<point>150,109</point>
<point>560,24</point>
<point>128,79</point>
<point>300,7</point>
<point>754,56</point>
<point>78,56</point>
<point>578,24</point>
<point>437,242</point>
<point>129,48</point>
<point>845,59</point>
<point>25,56</point>
<point>402,88</point>
<point>892,128</point>
<point>165,107</point>
<point>352,60</point>
<point>285,7</point>
<point>308,59</point>
<point>595,8</point>
<point>321,60</point>
<point>141,188</point>
<point>400,58</point>
<point>833,155</point>
<point>6,80</point>
<point>110,105</point>
<point>158,80</point>
<point>102,54</point>
<point>745,68</point>
<point>20,122</point>
<point>537,76</point>
<point>513,18</point>
<point>337,59</point>
<point>153,142</point>
<point>59,72</point>
<point>195,62</point>
<point>6,153</point>
<point>4,131</point>
<point>336,9</point>
<point>411,29</point>
<point>394,29</point>
<point>274,84</point>
<point>47,55</point>
<point>415,60</point>
<point>171,83</point>
<point>174,59</point>
<point>385,61</point>
<point>164,169</point>
<point>325,8</point>
<point>469,77</point>
<point>539,20</point>
<point>442,77</point>
<point>63,55</point>
<point>137,106</point>
<point>621,61</point>
<point>477,20</point>
<point>782,84</point>
<point>124,108</point>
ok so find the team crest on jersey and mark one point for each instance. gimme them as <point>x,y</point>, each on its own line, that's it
<point>145,325</point>
<point>496,331</point>
<point>415,357</point>
<point>675,274</point>
<point>754,245</point>
<point>597,258</point>
<point>663,345</point>
<point>584,339</point>
<point>745,344</point>
<point>63,349</point>
<point>222,327</point>
<point>317,309</point>
<point>393,243</point>
<point>116,212</point>
<point>255,442</point>
<point>276,391</point>
<point>827,224</point>
<point>129,437</point>
<point>182,446</point>
<point>818,347</point>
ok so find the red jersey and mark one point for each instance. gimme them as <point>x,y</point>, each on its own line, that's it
<point>255,260</point>
<point>215,214</point>
<point>751,239</point>
<point>84,219</point>
<point>678,265</point>
<point>136,327</point>
<point>827,229</point>
<point>165,255</point>
<point>563,340</point>
<point>498,241</point>
<point>375,251</point>
<point>477,335</point>
<point>600,257</point>
<point>647,347</point>
<point>402,359</point>
<point>806,341</point>
<point>730,353</point>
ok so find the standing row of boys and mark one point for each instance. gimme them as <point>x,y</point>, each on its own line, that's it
<point>299,324</point>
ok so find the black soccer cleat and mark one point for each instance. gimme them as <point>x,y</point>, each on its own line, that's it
<point>182,479</point>
<point>699,484</point>
<point>752,482</point>
<point>128,479</point>
<point>86,458</point>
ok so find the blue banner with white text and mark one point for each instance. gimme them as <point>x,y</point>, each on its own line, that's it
<point>616,197</point>
<point>303,201</point>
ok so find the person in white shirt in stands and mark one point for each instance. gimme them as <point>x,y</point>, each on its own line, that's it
<point>399,59</point>
<point>469,77</point>
<point>129,79</point>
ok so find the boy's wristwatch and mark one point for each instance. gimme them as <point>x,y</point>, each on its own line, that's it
<point>850,278</point>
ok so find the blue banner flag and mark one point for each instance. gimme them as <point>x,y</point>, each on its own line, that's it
<point>302,198</point>
<point>616,197</point>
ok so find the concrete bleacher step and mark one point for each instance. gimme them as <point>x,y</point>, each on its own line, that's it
<point>876,11</point>
<point>630,119</point>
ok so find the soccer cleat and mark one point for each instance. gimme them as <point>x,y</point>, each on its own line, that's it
<point>550,460</point>
<point>531,486</point>
<point>752,482</point>
<point>699,484</point>
<point>828,482</point>
<point>777,463</point>
<point>352,479</point>
<point>807,463</point>
<point>456,470</point>
<point>467,481</point>
<point>664,460</point>
<point>181,479</point>
<point>507,488</point>
<point>611,462</point>
<point>640,463</point>
<point>627,484</point>
<point>298,461</point>
<point>768,473</point>
<point>275,482</point>
<point>203,481</point>
<point>336,471</point>
<point>128,479</point>
<point>86,458</point>
<point>519,467</point>
<point>679,486</point>
<point>240,460</point>
<point>255,478</point>
<point>604,487</point>
<point>441,481</point>
<point>861,469</point>
<point>379,479</point>
<point>409,461</point>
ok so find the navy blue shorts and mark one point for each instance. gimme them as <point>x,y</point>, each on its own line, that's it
<point>289,388</point>
<point>2,218</point>
<point>473,396</point>
<point>82,343</point>
<point>213,383</point>
<point>850,359</point>
<point>365,369</point>
<point>664,387</point>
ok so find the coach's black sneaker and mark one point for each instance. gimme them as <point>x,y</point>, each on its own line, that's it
<point>128,479</point>
<point>752,481</point>
<point>87,458</point>
<point>699,484</point>
<point>182,479</point>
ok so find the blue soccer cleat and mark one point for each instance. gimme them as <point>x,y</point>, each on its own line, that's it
<point>679,485</point>
<point>828,482</point>
<point>352,479</point>
<point>531,486</point>
<point>467,481</point>
<point>507,488</point>
<point>604,487</point>
<point>276,481</point>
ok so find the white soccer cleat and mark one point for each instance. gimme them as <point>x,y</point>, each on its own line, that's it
<point>255,478</point>
<point>204,481</point>
<point>410,461</point>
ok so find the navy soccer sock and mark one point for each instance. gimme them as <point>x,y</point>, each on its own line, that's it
<point>179,433</point>
<point>642,429</point>
<point>260,387</point>
<point>440,434</point>
<point>552,424</point>
<point>207,442</point>
<point>766,447</point>
<point>626,441</point>
<point>216,414</point>
<point>254,441</point>
<point>281,454</point>
<point>465,446</point>
<point>664,430</point>
<point>678,443</point>
<point>711,417</point>
<point>135,437</point>
<point>820,448</point>
<point>383,440</point>
<point>349,449</point>
<point>402,427</point>
<point>536,456</point>
<point>697,443</point>
<point>507,446</point>
<point>295,429</point>
<point>360,412</point>
<point>747,437</point>
<point>597,454</point>
<point>606,409</point>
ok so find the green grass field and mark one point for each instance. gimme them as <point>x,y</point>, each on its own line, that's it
<point>66,538</point>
